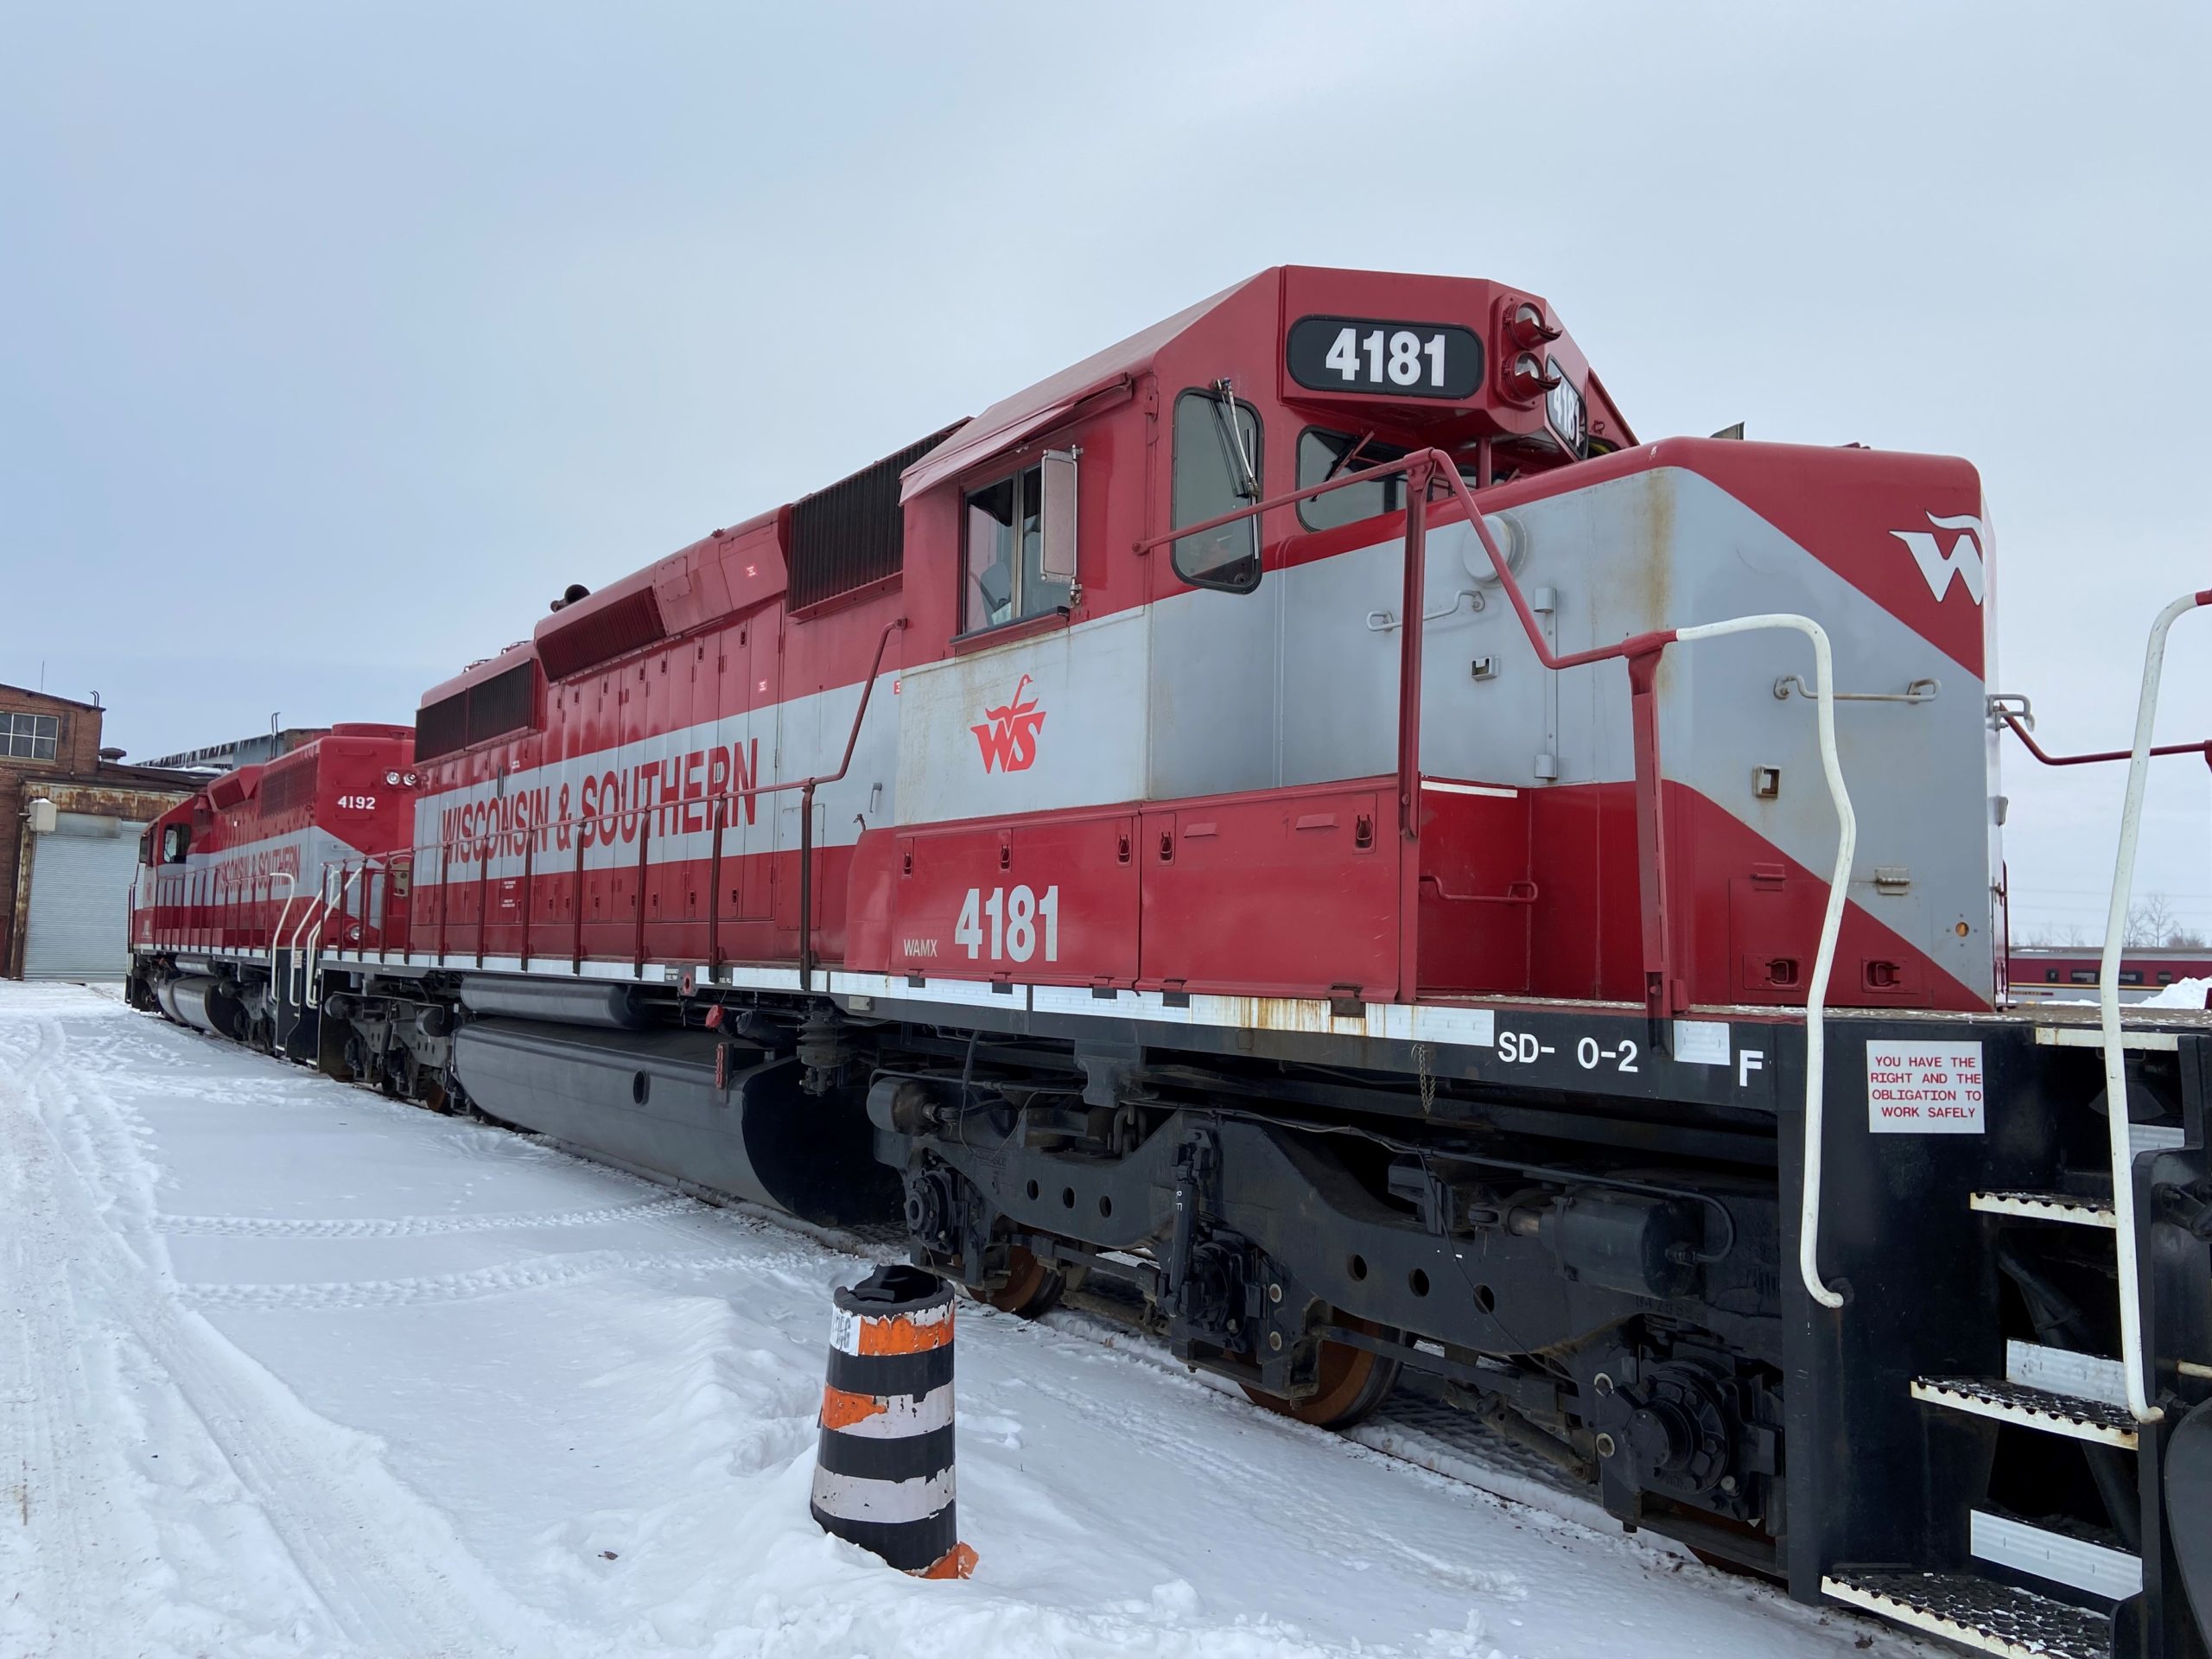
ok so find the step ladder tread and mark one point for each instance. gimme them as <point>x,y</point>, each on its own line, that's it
<point>2079,1563</point>
<point>2045,1206</point>
<point>1978,1612</point>
<point>2039,1408</point>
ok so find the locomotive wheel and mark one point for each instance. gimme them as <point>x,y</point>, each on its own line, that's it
<point>1032,1288</point>
<point>1353,1383</point>
<point>424,1087</point>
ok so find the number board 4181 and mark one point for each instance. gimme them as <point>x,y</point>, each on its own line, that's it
<point>1395,360</point>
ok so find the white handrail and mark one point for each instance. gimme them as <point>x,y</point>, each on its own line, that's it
<point>311,914</point>
<point>1817,993</point>
<point>315,939</point>
<point>2116,1124</point>
<point>291,892</point>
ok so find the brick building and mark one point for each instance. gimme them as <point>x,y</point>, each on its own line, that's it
<point>63,892</point>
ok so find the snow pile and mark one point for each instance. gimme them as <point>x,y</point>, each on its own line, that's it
<point>287,1369</point>
<point>2182,993</point>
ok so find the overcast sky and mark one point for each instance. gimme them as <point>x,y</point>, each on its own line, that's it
<point>335,339</point>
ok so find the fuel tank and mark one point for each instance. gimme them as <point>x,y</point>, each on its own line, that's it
<point>205,1003</point>
<point>651,1100</point>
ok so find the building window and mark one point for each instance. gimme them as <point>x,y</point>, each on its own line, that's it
<point>1003,578</point>
<point>1217,470</point>
<point>33,737</point>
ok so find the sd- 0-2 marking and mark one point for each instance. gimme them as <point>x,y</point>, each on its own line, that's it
<point>1564,1052</point>
<point>1524,1048</point>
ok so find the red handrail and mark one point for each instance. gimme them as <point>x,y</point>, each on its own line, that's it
<point>2021,731</point>
<point>806,786</point>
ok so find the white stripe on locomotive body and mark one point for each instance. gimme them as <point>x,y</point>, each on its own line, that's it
<point>854,1497</point>
<point>904,1416</point>
<point>1089,682</point>
<point>1456,1025</point>
<point>780,742</point>
<point>255,868</point>
<point>1208,693</point>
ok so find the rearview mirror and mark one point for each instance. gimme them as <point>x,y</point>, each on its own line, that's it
<point>1057,559</point>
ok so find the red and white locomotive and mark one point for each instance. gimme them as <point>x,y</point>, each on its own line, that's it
<point>251,862</point>
<point>1302,815</point>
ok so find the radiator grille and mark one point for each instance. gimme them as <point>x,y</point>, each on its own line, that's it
<point>289,785</point>
<point>853,533</point>
<point>442,726</point>
<point>629,624</point>
<point>503,703</point>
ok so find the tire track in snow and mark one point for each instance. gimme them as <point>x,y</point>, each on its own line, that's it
<point>57,1490</point>
<point>385,1567</point>
<point>502,1279</point>
<point>411,1226</point>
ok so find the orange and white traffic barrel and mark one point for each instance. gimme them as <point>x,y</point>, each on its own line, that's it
<point>883,1477</point>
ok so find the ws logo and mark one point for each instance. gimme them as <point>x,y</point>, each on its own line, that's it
<point>1963,559</point>
<point>1009,736</point>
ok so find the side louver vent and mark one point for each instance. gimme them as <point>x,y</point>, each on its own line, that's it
<point>497,706</point>
<point>442,726</point>
<point>853,533</point>
<point>287,785</point>
<point>631,623</point>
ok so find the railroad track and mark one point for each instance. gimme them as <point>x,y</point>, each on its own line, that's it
<point>1416,1425</point>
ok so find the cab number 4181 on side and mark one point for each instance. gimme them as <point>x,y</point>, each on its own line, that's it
<point>1018,918</point>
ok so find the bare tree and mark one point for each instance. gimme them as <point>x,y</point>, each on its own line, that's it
<point>2185,938</point>
<point>2150,920</point>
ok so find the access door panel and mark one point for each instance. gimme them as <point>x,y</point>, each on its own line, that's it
<point>1051,903</point>
<point>1290,893</point>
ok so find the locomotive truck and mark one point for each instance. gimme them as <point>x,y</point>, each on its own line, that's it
<point>1305,820</point>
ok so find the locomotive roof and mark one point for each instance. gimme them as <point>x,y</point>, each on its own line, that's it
<point>240,783</point>
<point>522,650</point>
<point>1011,419</point>
<point>1036,409</point>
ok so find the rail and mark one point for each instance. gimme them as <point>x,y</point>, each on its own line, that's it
<point>302,958</point>
<point>2013,719</point>
<point>277,940</point>
<point>1641,652</point>
<point>2117,1128</point>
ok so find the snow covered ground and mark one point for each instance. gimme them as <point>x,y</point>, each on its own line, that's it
<point>287,1368</point>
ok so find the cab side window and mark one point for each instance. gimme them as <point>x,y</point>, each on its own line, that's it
<point>1324,455</point>
<point>1217,462</point>
<point>1002,576</point>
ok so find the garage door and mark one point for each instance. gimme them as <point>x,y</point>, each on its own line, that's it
<point>80,889</point>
